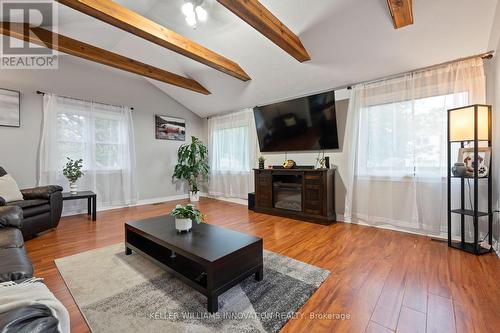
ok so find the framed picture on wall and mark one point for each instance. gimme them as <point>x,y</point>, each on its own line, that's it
<point>466,156</point>
<point>170,128</point>
<point>10,108</point>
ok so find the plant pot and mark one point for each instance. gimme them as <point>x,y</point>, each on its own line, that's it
<point>261,165</point>
<point>73,188</point>
<point>183,224</point>
<point>194,196</point>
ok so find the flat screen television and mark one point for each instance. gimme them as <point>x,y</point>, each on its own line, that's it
<point>307,123</point>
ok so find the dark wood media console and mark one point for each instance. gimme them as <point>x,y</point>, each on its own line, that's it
<point>304,194</point>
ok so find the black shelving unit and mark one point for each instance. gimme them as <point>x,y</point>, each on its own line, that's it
<point>471,212</point>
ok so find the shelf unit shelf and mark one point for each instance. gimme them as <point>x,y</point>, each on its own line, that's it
<point>477,182</point>
<point>469,212</point>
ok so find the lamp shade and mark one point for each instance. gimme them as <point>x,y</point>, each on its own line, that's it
<point>462,123</point>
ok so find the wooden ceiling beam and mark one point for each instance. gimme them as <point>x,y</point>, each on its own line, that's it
<point>128,20</point>
<point>259,17</point>
<point>401,12</point>
<point>79,49</point>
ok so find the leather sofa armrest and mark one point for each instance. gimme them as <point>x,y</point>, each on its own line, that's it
<point>11,216</point>
<point>29,318</point>
<point>42,192</point>
<point>2,202</point>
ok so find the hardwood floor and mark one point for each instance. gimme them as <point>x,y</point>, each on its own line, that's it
<point>385,281</point>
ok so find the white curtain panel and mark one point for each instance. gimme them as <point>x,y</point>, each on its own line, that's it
<point>103,136</point>
<point>233,153</point>
<point>397,146</point>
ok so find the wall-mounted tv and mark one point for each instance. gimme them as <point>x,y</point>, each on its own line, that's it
<point>307,123</point>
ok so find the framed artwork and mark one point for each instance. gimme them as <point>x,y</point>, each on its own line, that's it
<point>10,108</point>
<point>170,128</point>
<point>466,156</point>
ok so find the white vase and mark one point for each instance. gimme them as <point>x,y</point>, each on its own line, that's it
<point>194,196</point>
<point>183,224</point>
<point>73,188</point>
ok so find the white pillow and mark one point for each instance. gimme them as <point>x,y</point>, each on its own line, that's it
<point>9,189</point>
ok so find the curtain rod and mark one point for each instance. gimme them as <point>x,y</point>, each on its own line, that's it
<point>79,99</point>
<point>485,56</point>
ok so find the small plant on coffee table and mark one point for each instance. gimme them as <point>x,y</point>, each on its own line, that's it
<point>188,212</point>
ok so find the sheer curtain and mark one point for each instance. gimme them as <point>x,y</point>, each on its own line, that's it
<point>233,153</point>
<point>103,136</point>
<point>397,132</point>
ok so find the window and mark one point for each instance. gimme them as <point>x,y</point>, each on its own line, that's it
<point>94,136</point>
<point>232,149</point>
<point>405,138</point>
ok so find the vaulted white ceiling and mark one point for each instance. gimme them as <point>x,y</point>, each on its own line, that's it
<point>348,41</point>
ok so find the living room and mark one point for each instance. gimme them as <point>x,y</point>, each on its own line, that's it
<point>249,166</point>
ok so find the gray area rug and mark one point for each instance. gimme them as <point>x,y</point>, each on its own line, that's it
<point>118,293</point>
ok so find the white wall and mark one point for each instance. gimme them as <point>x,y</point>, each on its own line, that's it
<point>337,158</point>
<point>85,80</point>
<point>493,98</point>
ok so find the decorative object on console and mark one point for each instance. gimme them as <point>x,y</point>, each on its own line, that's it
<point>261,162</point>
<point>170,128</point>
<point>192,164</point>
<point>289,164</point>
<point>471,126</point>
<point>73,171</point>
<point>185,216</point>
<point>10,108</point>
<point>466,156</point>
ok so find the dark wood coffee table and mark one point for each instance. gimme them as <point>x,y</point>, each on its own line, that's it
<point>210,259</point>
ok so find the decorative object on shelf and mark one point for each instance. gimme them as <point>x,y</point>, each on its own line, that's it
<point>261,162</point>
<point>321,163</point>
<point>170,128</point>
<point>459,170</point>
<point>466,156</point>
<point>470,127</point>
<point>10,108</point>
<point>185,216</point>
<point>289,164</point>
<point>192,165</point>
<point>73,171</point>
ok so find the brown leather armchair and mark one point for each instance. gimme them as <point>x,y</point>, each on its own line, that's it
<point>42,208</point>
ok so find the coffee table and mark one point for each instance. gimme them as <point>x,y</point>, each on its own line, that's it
<point>210,259</point>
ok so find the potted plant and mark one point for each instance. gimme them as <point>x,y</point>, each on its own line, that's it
<point>261,162</point>
<point>185,216</point>
<point>73,171</point>
<point>192,165</point>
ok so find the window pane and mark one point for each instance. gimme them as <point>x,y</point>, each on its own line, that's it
<point>73,150</point>
<point>107,157</point>
<point>231,149</point>
<point>107,130</point>
<point>70,127</point>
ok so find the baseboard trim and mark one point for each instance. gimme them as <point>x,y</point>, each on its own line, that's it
<point>142,202</point>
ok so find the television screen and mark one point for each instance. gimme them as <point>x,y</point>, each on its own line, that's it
<point>307,123</point>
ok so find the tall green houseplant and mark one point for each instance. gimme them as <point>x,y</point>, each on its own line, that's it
<point>192,164</point>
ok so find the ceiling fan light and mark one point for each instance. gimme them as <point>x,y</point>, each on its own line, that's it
<point>201,13</point>
<point>187,9</point>
<point>191,20</point>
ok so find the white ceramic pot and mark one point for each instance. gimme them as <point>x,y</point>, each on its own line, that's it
<point>194,196</point>
<point>73,188</point>
<point>183,224</point>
